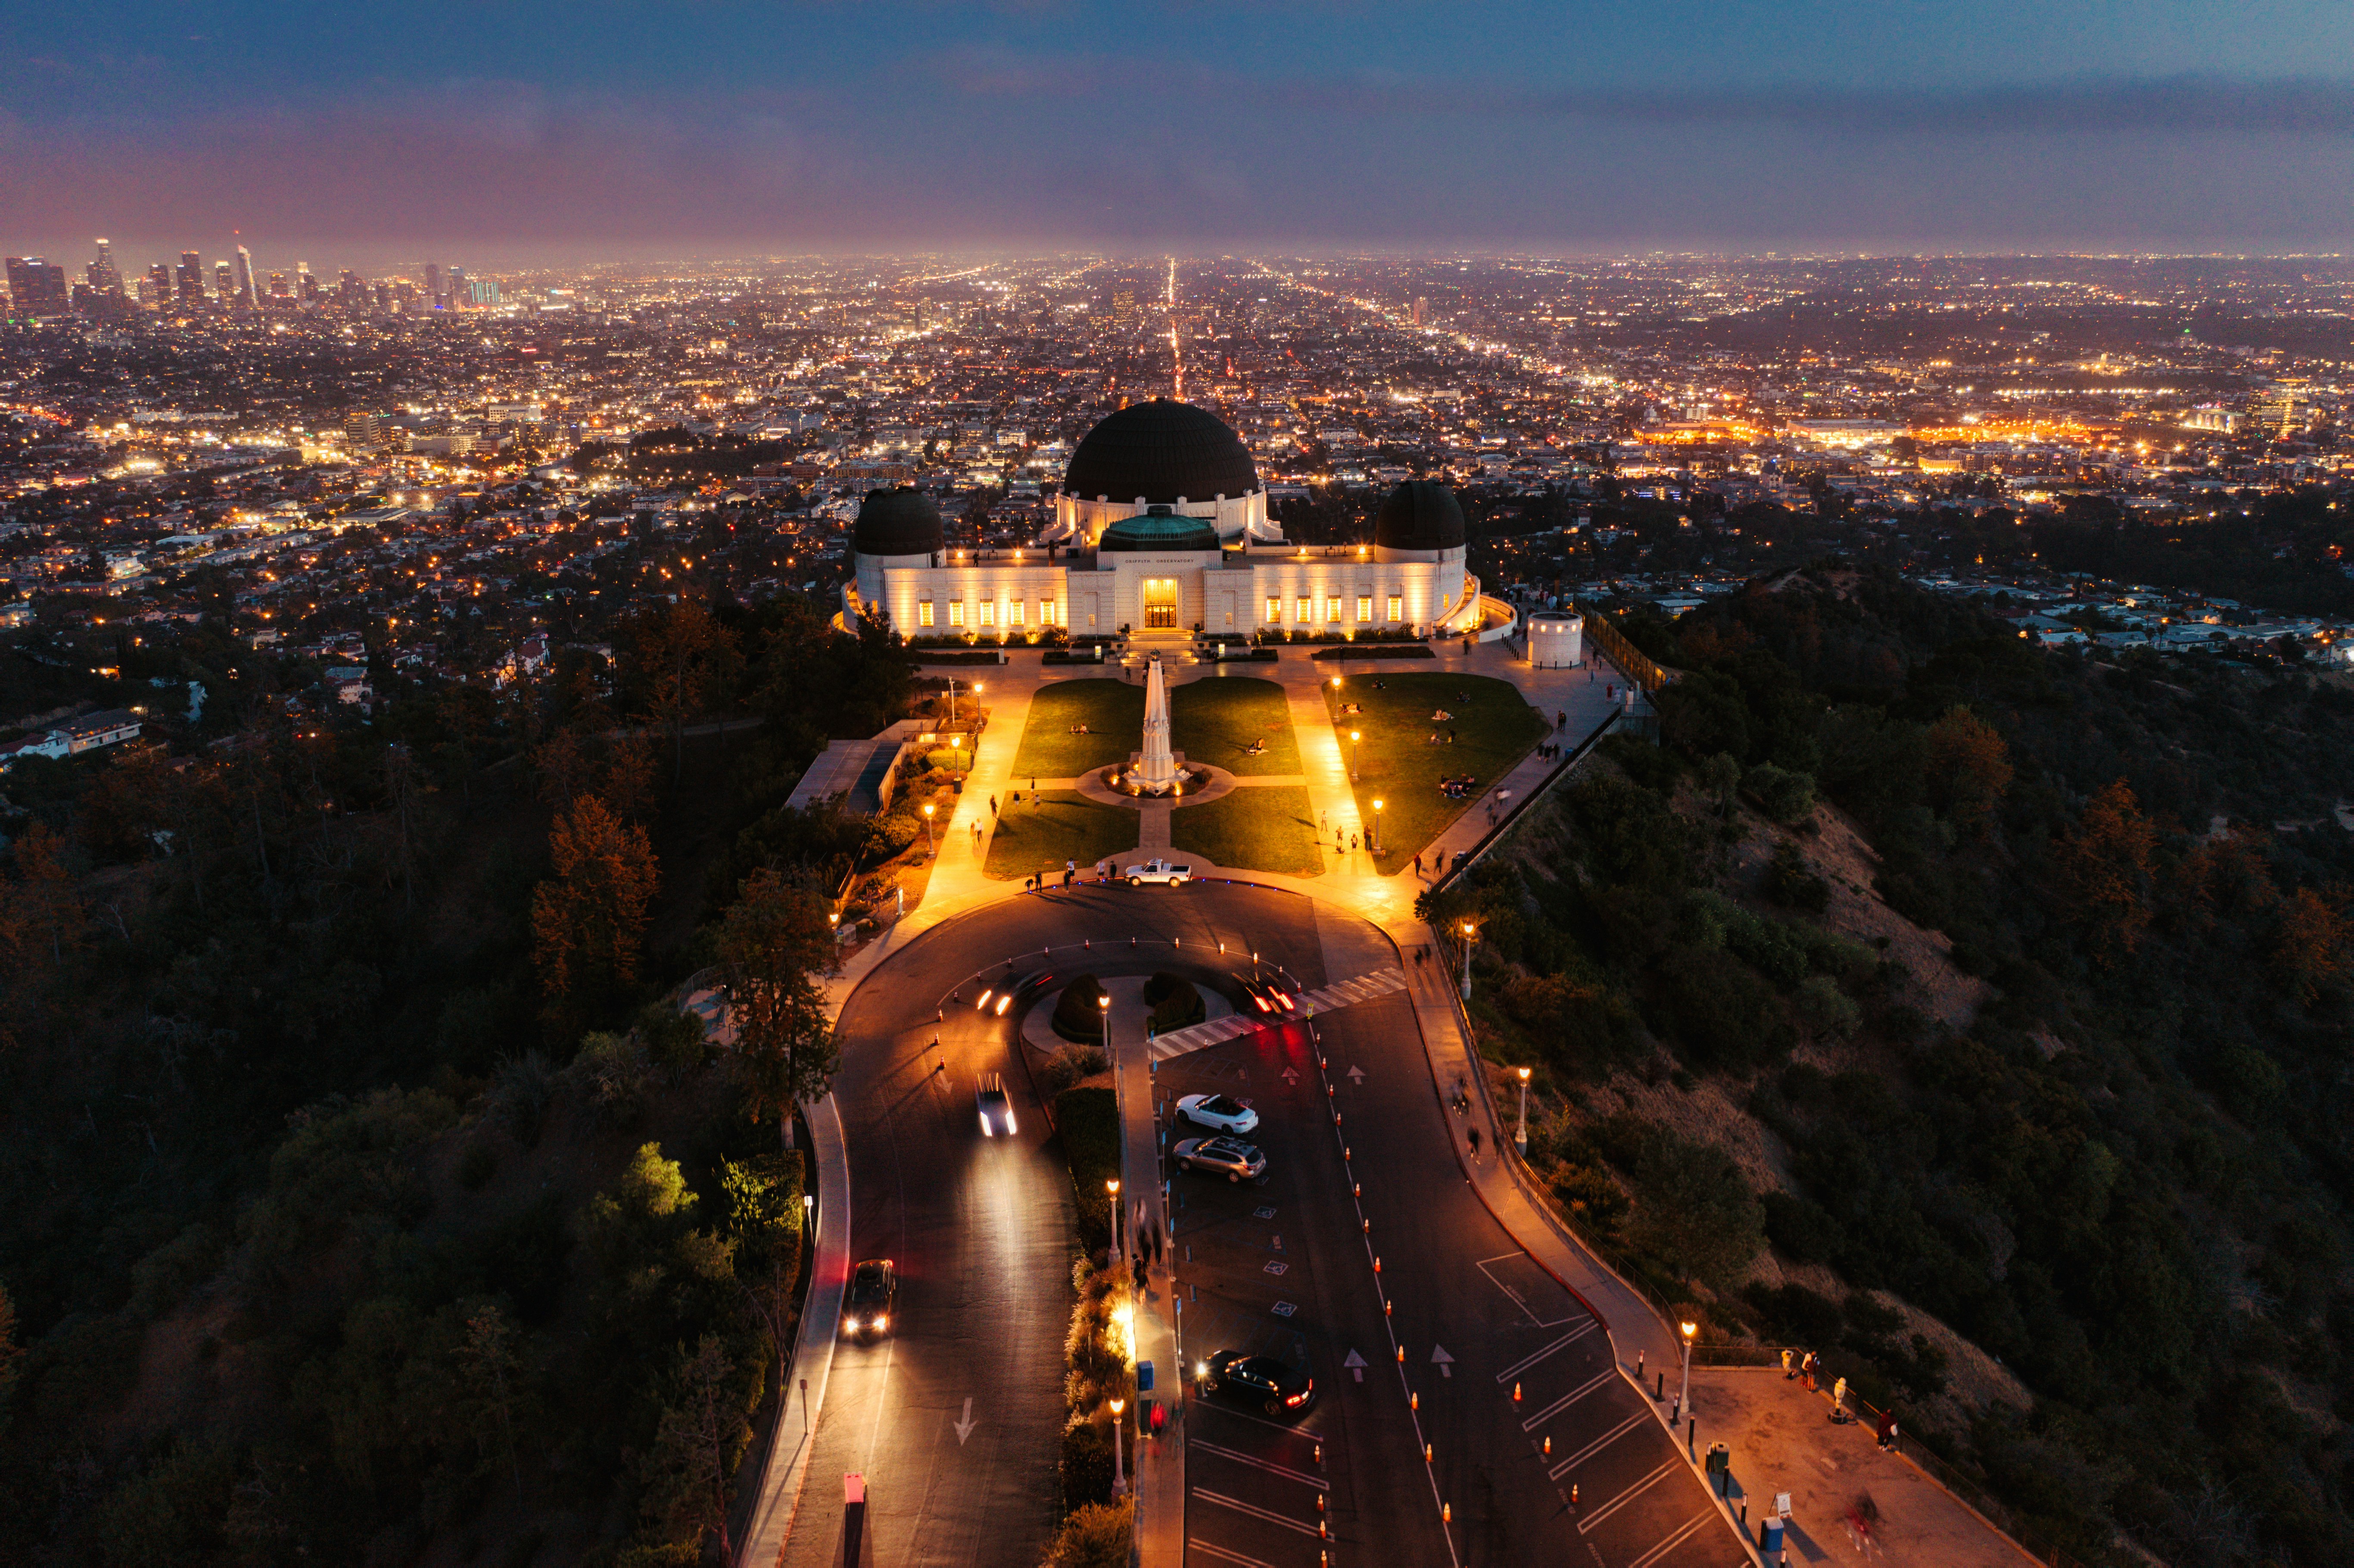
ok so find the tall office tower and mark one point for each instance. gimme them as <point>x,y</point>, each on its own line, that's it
<point>1421,314</point>
<point>351,292</point>
<point>101,274</point>
<point>280,289</point>
<point>454,283</point>
<point>191,278</point>
<point>156,292</point>
<point>433,285</point>
<point>248,296</point>
<point>224,284</point>
<point>305,285</point>
<point>383,298</point>
<point>481,292</point>
<point>36,287</point>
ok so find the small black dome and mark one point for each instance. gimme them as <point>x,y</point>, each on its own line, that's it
<point>1420,515</point>
<point>1161,450</point>
<point>900,522</point>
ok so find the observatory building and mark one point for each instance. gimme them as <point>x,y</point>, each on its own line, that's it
<point>1160,529</point>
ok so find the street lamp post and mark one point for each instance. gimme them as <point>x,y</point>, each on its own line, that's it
<point>1118,1470</point>
<point>952,699</point>
<point>1522,1138</point>
<point>1354,736</point>
<point>929,848</point>
<point>1118,1253</point>
<point>809,1210</point>
<point>1377,825</point>
<point>1471,936</point>
<point>1683,1396</point>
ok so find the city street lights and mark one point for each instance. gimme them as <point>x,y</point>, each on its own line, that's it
<point>1354,736</point>
<point>1470,935</point>
<point>1377,825</point>
<point>929,848</point>
<point>1683,1396</point>
<point>1118,1470</point>
<point>1522,1137</point>
<point>809,1210</point>
<point>1111,1185</point>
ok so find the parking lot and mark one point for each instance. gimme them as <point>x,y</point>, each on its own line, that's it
<point>1277,1268</point>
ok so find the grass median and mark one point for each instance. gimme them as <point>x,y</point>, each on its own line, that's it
<point>1218,718</point>
<point>1112,713</point>
<point>1269,827</point>
<point>1405,752</point>
<point>1037,836</point>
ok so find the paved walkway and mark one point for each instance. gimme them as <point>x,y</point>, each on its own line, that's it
<point>1782,1439</point>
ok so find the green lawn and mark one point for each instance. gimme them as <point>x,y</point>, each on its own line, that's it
<point>1255,828</point>
<point>1067,825</point>
<point>1113,712</point>
<point>1493,725</point>
<point>1213,719</point>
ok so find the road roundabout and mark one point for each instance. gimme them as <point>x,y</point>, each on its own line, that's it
<point>955,1418</point>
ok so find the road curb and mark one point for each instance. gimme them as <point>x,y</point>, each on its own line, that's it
<point>813,1347</point>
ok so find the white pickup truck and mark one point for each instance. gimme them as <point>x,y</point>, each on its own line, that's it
<point>1159,870</point>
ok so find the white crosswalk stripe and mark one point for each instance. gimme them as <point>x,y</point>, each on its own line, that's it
<point>1343,993</point>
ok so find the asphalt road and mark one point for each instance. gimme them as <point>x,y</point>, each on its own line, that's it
<point>980,1228</point>
<point>980,1232</point>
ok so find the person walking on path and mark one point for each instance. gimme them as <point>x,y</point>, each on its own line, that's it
<point>1417,865</point>
<point>1888,1428</point>
<point>993,805</point>
<point>1787,1373</point>
<point>1807,1369</point>
<point>1475,1143</point>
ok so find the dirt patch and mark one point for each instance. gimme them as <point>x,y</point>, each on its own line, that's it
<point>1837,852</point>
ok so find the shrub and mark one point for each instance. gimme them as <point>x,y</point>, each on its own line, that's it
<point>1174,1001</point>
<point>1086,1467</point>
<point>614,1073</point>
<point>1094,1536</point>
<point>1784,794</point>
<point>1071,1064</point>
<point>1789,882</point>
<point>1591,1195</point>
<point>1724,1014</point>
<point>1826,1009</point>
<point>520,1091</point>
<point>1088,1120</point>
<point>1079,1015</point>
<point>1695,1209</point>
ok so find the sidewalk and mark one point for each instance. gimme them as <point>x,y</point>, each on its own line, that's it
<point>786,1469</point>
<point>1157,1470</point>
<point>1637,1331</point>
<point>1782,1439</point>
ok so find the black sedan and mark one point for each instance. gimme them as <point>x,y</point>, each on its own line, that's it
<point>873,1297</point>
<point>1278,1388</point>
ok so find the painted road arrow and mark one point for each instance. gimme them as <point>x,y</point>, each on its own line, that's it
<point>1357,1076</point>
<point>964,1428</point>
<point>1356,1365</point>
<point>1292,1075</point>
<point>1442,1361</point>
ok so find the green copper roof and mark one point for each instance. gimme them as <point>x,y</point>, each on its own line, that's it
<point>1161,532</point>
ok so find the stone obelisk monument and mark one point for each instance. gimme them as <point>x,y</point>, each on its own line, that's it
<point>1155,770</point>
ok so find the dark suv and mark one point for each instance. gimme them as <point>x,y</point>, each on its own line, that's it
<point>1276,1387</point>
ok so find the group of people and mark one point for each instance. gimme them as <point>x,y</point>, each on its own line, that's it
<point>1081,729</point>
<point>1807,1366</point>
<point>1457,788</point>
<point>1436,739</point>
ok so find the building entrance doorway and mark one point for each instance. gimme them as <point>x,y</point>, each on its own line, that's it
<point>1160,604</point>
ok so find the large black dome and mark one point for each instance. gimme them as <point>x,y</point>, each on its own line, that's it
<point>1419,514</point>
<point>1161,450</point>
<point>900,522</point>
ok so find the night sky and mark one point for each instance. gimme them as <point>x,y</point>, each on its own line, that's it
<point>504,132</point>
